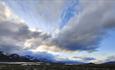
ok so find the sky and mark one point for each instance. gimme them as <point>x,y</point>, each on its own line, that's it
<point>69,31</point>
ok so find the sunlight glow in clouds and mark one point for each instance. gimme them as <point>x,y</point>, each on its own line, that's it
<point>79,32</point>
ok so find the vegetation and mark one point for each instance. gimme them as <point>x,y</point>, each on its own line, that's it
<point>56,67</point>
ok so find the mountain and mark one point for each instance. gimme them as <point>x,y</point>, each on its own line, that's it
<point>70,62</point>
<point>111,62</point>
<point>27,58</point>
<point>16,58</point>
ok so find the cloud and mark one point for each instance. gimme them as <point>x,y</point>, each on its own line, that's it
<point>14,33</point>
<point>41,13</point>
<point>88,59</point>
<point>107,59</point>
<point>85,31</point>
<point>84,59</point>
<point>82,33</point>
<point>110,58</point>
<point>68,12</point>
<point>43,56</point>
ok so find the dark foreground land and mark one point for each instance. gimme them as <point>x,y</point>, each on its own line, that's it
<point>37,66</point>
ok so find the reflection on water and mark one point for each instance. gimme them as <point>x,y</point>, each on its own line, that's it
<point>22,63</point>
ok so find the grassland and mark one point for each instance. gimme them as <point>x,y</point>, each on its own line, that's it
<point>37,66</point>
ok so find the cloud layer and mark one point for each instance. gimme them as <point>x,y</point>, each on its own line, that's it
<point>82,33</point>
<point>14,33</point>
<point>85,31</point>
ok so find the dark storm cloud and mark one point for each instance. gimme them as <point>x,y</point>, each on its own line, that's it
<point>85,31</point>
<point>16,34</point>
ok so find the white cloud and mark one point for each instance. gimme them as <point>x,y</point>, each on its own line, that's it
<point>39,13</point>
<point>14,33</point>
